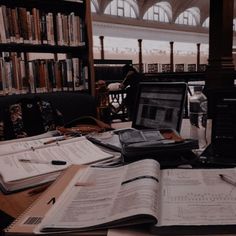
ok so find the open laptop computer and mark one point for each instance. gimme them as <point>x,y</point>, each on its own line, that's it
<point>222,109</point>
<point>158,105</point>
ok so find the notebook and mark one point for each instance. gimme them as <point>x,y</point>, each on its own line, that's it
<point>158,105</point>
<point>222,109</point>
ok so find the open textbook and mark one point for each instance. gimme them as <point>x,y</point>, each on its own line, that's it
<point>168,200</point>
<point>32,162</point>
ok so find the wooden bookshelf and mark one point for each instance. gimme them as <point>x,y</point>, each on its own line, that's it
<point>59,32</point>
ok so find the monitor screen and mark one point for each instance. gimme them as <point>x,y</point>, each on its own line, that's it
<point>223,108</point>
<point>159,105</point>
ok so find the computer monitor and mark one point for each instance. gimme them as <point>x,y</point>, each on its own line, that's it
<point>160,105</point>
<point>222,106</point>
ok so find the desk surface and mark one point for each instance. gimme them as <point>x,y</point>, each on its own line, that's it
<point>15,204</point>
<point>185,128</point>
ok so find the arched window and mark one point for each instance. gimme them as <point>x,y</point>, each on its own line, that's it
<point>94,5</point>
<point>159,12</point>
<point>124,8</point>
<point>206,23</point>
<point>190,16</point>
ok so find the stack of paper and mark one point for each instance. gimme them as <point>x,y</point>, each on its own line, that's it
<point>28,163</point>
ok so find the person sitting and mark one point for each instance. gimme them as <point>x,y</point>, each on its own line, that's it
<point>130,83</point>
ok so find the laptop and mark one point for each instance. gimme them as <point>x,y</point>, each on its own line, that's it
<point>222,110</point>
<point>158,105</point>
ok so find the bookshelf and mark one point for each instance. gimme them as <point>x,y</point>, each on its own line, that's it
<point>45,46</point>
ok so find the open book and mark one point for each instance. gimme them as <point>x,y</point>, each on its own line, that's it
<point>167,200</point>
<point>28,163</point>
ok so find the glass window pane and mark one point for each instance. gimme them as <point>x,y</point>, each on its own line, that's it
<point>121,8</point>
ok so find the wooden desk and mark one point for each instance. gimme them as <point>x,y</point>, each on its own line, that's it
<point>14,204</point>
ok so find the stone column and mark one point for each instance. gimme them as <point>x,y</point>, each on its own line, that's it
<point>171,56</point>
<point>220,69</point>
<point>198,56</point>
<point>140,58</point>
<point>102,46</point>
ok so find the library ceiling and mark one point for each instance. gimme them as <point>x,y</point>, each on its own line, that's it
<point>177,6</point>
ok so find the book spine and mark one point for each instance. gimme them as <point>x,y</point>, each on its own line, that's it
<point>36,25</point>
<point>43,28</point>
<point>59,30</point>
<point>50,29</point>
<point>76,73</point>
<point>23,24</point>
<point>3,34</point>
<point>29,27</point>
<point>69,74</point>
<point>58,76</point>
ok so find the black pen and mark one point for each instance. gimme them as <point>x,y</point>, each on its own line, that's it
<point>52,162</point>
<point>228,179</point>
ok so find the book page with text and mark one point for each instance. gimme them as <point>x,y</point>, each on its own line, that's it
<point>197,197</point>
<point>103,195</point>
<point>15,147</point>
<point>73,151</point>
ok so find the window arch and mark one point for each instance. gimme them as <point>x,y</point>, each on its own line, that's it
<point>190,16</point>
<point>159,12</point>
<point>206,22</point>
<point>123,8</point>
<point>94,6</point>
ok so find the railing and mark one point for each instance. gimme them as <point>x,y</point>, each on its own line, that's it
<point>191,78</point>
<point>118,109</point>
<point>116,98</point>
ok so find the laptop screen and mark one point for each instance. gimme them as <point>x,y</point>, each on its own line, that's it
<point>159,105</point>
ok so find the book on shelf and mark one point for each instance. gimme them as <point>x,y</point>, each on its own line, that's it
<point>139,193</point>
<point>29,163</point>
<point>35,26</point>
<point>45,75</point>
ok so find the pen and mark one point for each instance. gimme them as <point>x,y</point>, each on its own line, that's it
<point>228,179</point>
<point>55,140</point>
<point>53,162</point>
<point>39,189</point>
<point>83,184</point>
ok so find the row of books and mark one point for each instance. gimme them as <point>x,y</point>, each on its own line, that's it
<point>40,75</point>
<point>158,67</point>
<point>20,25</point>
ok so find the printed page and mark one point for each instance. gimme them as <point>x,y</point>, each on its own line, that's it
<point>73,151</point>
<point>197,197</point>
<point>103,195</point>
<point>23,145</point>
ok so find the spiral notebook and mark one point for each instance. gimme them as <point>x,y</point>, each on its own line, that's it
<point>32,216</point>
